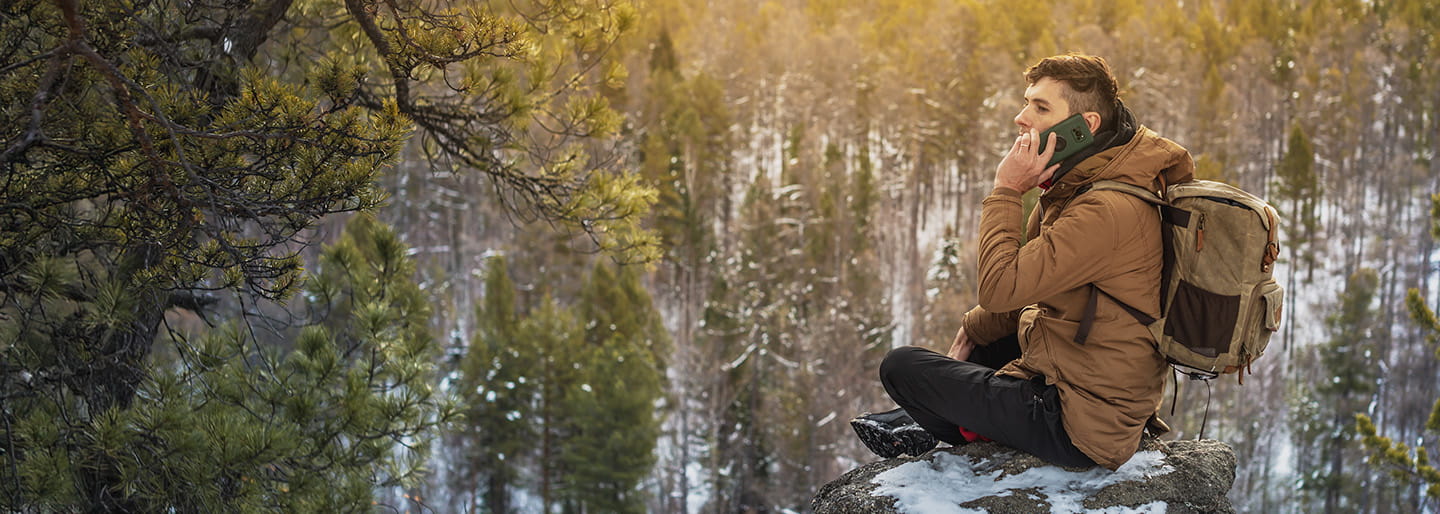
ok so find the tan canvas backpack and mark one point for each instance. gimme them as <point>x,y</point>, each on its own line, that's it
<point>1219,304</point>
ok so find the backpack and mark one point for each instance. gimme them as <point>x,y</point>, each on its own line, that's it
<point>1219,304</point>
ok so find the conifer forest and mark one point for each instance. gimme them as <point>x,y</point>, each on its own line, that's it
<point>604,256</point>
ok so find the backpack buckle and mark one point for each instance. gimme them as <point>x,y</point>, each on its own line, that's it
<point>1272,252</point>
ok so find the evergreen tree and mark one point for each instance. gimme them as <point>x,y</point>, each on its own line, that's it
<point>616,307</point>
<point>498,393</point>
<point>573,390</point>
<point>155,153</point>
<point>235,426</point>
<point>612,404</point>
<point>685,152</point>
<point>795,320</point>
<point>949,291</point>
<point>1344,386</point>
<point>556,336</point>
<point>741,317</point>
<point>1300,189</point>
<point>1298,186</point>
<point>1384,451</point>
<point>613,429</point>
<point>845,332</point>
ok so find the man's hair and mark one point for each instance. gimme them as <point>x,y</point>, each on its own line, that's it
<point>1092,88</point>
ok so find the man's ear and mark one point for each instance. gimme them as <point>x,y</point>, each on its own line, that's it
<point>1093,120</point>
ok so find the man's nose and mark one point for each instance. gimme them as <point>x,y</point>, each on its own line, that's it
<point>1020,120</point>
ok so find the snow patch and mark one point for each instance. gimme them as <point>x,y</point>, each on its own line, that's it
<point>948,480</point>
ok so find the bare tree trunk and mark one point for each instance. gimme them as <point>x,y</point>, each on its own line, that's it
<point>915,286</point>
<point>1332,489</point>
<point>547,424</point>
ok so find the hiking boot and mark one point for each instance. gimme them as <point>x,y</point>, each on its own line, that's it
<point>889,434</point>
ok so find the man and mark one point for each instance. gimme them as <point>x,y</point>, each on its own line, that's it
<point>1071,396</point>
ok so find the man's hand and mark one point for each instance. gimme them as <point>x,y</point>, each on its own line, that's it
<point>960,349</point>
<point>1023,168</point>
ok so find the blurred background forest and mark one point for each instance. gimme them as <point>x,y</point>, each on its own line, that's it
<point>641,256</point>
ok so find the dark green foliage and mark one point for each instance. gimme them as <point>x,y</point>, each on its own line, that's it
<point>234,426</point>
<point>684,152</point>
<point>132,188</point>
<point>495,387</point>
<point>1347,357</point>
<point>613,424</point>
<point>156,154</point>
<point>611,405</point>
<point>1393,455</point>
<point>555,335</point>
<point>574,390</point>
<point>1299,188</point>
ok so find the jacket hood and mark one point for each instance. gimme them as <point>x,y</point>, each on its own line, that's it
<point>1131,154</point>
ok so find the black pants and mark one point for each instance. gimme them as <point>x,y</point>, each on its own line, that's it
<point>943,394</point>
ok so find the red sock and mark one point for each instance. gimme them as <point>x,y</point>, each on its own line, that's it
<point>971,437</point>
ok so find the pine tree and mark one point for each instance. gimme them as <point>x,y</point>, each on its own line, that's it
<point>719,339</point>
<point>742,317</point>
<point>556,338</point>
<point>686,147</point>
<point>1384,451</point>
<point>1346,382</point>
<point>243,427</point>
<point>155,154</point>
<point>498,393</point>
<point>1299,187</point>
<point>612,405</point>
<point>573,390</point>
<point>794,319</point>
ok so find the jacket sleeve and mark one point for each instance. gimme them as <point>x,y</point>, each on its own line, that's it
<point>1072,252</point>
<point>984,327</point>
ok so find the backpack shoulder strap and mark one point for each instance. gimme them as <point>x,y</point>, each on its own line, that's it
<point>1131,189</point>
<point>1168,212</point>
<point>1087,321</point>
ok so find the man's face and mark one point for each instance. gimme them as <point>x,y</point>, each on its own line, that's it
<point>1044,106</point>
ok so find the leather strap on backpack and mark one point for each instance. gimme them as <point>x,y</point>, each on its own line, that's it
<point>1272,248</point>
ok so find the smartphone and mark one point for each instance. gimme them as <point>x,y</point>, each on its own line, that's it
<point>1071,135</point>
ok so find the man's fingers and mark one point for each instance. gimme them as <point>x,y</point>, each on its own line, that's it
<point>1049,148</point>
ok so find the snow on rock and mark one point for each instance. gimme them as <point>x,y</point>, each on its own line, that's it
<point>1178,476</point>
<point>936,485</point>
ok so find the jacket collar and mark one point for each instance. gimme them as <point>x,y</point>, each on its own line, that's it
<point>1142,158</point>
<point>1123,130</point>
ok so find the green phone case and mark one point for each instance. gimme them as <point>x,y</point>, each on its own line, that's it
<point>1071,135</point>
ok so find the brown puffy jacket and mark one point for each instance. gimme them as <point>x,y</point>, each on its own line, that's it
<point>1113,383</point>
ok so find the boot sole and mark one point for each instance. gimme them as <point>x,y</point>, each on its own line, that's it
<point>877,438</point>
<point>915,441</point>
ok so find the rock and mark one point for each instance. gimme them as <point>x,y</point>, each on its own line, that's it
<point>1175,477</point>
